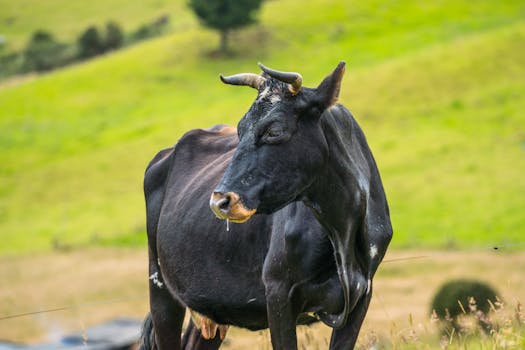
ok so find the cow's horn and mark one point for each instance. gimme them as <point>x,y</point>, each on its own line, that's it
<point>294,79</point>
<point>248,79</point>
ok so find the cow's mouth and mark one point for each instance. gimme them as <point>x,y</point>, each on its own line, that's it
<point>228,206</point>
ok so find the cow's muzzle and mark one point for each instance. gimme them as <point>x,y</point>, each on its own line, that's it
<point>228,206</point>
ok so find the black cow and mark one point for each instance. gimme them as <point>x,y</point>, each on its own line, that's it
<point>300,161</point>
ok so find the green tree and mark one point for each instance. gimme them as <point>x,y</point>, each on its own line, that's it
<point>90,43</point>
<point>43,52</point>
<point>114,36</point>
<point>225,15</point>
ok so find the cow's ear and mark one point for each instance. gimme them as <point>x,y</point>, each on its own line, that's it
<point>328,90</point>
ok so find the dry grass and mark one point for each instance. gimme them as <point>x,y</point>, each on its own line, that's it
<point>98,285</point>
<point>398,317</point>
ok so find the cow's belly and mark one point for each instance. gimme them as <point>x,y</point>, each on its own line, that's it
<point>217,274</point>
<point>233,300</point>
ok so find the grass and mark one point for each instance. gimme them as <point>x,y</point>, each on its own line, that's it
<point>111,282</point>
<point>438,88</point>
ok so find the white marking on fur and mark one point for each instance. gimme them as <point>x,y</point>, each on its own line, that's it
<point>373,251</point>
<point>155,279</point>
<point>265,92</point>
<point>227,225</point>
<point>275,98</point>
<point>369,285</point>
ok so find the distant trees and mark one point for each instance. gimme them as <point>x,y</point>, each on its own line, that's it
<point>91,43</point>
<point>43,52</point>
<point>150,30</point>
<point>114,36</point>
<point>225,15</point>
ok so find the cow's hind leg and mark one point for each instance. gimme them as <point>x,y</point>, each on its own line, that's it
<point>193,339</point>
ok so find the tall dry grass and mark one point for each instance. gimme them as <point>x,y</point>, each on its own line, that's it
<point>398,318</point>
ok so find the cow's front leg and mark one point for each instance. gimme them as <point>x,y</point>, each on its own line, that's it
<point>166,312</point>
<point>282,317</point>
<point>346,336</point>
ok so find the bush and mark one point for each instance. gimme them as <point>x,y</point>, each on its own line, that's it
<point>114,36</point>
<point>149,30</point>
<point>90,43</point>
<point>460,297</point>
<point>43,53</point>
<point>11,64</point>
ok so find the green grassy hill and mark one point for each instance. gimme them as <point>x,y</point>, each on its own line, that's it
<point>438,89</point>
<point>66,20</point>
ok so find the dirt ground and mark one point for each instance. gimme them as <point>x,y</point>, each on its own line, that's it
<point>91,286</point>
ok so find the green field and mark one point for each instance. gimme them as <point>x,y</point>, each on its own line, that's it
<point>66,20</point>
<point>439,89</point>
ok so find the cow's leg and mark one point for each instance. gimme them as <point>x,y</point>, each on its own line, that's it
<point>281,314</point>
<point>193,339</point>
<point>346,337</point>
<point>167,315</point>
<point>282,317</point>
<point>166,312</point>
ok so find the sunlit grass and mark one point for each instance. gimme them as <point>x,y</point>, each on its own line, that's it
<point>506,331</point>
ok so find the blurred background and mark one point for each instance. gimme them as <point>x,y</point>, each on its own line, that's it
<point>91,90</point>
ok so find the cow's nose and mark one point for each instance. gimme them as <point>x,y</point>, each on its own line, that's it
<point>221,203</point>
<point>228,206</point>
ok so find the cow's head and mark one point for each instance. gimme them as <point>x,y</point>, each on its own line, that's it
<point>282,148</point>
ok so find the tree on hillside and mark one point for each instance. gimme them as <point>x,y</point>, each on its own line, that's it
<point>90,43</point>
<point>225,15</point>
<point>43,52</point>
<point>114,36</point>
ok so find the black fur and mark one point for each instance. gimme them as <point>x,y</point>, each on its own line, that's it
<point>321,230</point>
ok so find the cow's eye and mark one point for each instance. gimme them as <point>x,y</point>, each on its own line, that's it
<point>273,134</point>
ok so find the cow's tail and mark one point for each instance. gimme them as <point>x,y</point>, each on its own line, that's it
<point>147,338</point>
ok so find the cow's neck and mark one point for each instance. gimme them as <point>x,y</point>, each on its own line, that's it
<point>338,195</point>
<point>338,199</point>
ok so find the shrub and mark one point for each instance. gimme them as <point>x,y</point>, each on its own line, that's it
<point>459,297</point>
<point>90,43</point>
<point>149,30</point>
<point>43,52</point>
<point>114,36</point>
<point>11,64</point>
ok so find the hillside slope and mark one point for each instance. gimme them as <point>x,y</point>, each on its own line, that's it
<point>66,20</point>
<point>438,90</point>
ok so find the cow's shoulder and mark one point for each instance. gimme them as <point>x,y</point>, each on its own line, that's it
<point>207,142</point>
<point>198,148</point>
<point>194,149</point>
